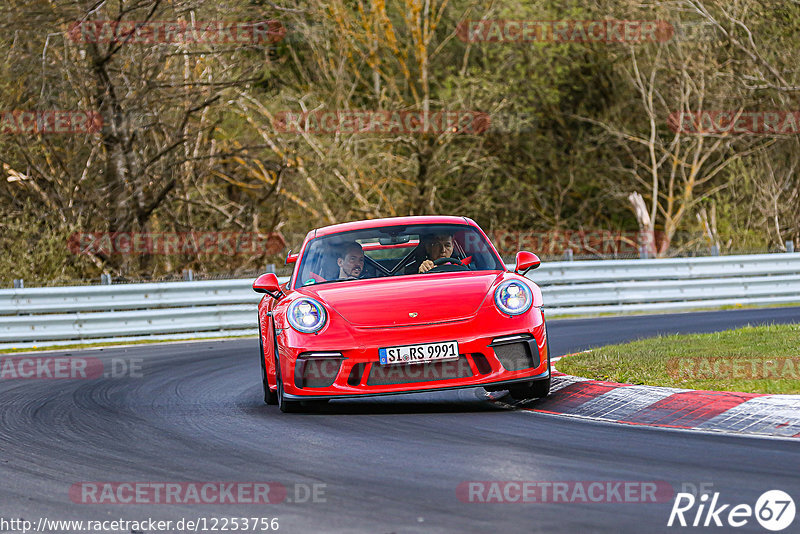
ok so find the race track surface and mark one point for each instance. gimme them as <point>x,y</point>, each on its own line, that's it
<point>193,412</point>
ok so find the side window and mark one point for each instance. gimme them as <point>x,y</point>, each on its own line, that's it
<point>475,246</point>
<point>311,264</point>
<point>316,264</point>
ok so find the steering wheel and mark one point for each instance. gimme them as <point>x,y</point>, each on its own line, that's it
<point>442,261</point>
<point>441,266</point>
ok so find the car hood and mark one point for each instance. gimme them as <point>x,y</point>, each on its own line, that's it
<point>391,302</point>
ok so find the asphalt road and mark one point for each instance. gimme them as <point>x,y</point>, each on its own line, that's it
<point>193,412</point>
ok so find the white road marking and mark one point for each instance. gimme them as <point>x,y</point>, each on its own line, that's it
<point>761,415</point>
<point>622,402</point>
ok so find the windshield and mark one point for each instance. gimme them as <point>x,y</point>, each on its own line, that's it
<point>396,251</point>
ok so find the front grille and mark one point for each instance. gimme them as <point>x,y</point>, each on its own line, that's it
<point>384,375</point>
<point>316,372</point>
<point>517,353</point>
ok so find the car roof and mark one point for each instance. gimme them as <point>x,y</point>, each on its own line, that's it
<point>390,221</point>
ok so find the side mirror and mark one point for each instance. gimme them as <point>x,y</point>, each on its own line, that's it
<point>268,283</point>
<point>291,258</point>
<point>526,261</point>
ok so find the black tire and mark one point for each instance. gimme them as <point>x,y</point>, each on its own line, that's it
<point>270,397</point>
<point>286,405</point>
<point>538,389</point>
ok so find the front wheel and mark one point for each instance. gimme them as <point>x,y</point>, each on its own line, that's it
<point>537,389</point>
<point>270,397</point>
<point>286,405</point>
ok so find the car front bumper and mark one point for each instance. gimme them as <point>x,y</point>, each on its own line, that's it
<point>319,369</point>
<point>497,385</point>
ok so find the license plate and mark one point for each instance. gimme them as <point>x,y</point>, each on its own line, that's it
<point>428,352</point>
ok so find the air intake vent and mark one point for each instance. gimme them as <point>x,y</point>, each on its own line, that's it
<point>516,352</point>
<point>316,372</point>
<point>355,374</point>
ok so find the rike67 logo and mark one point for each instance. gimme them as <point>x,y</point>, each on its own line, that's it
<point>774,510</point>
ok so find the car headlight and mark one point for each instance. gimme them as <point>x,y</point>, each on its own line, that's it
<point>513,297</point>
<point>306,315</point>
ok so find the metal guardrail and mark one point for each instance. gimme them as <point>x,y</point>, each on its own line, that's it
<point>713,267</point>
<point>179,310</point>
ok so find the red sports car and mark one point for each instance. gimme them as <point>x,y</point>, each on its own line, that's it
<point>400,305</point>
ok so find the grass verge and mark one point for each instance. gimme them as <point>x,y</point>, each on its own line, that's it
<point>754,359</point>
<point>726,307</point>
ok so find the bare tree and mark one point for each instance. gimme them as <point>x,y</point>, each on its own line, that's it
<point>774,175</point>
<point>375,58</point>
<point>672,167</point>
<point>161,103</point>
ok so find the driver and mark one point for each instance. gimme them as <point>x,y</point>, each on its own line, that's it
<point>436,246</point>
<point>350,261</point>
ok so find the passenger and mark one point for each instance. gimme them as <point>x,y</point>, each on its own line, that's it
<point>350,261</point>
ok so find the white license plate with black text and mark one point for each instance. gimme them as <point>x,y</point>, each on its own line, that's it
<point>427,352</point>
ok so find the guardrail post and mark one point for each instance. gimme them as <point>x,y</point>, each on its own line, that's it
<point>643,252</point>
<point>568,255</point>
<point>105,279</point>
<point>714,250</point>
<point>790,246</point>
<point>188,275</point>
<point>19,283</point>
<point>270,268</point>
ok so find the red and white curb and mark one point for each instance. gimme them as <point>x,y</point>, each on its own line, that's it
<point>711,411</point>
